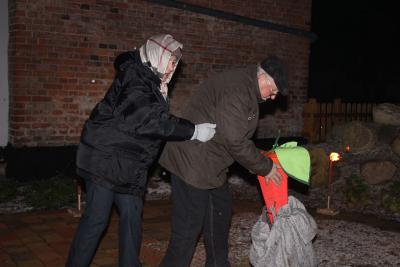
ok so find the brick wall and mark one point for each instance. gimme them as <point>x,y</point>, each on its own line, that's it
<point>61,54</point>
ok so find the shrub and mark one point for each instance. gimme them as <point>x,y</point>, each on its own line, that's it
<point>356,191</point>
<point>391,198</point>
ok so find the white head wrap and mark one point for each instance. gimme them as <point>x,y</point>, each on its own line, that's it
<point>156,53</point>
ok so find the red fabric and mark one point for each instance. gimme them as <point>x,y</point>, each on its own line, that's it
<point>274,196</point>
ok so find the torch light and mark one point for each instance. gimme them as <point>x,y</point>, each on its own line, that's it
<point>328,210</point>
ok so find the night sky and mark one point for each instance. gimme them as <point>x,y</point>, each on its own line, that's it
<point>356,54</point>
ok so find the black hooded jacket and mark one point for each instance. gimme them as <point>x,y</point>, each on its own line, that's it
<point>122,137</point>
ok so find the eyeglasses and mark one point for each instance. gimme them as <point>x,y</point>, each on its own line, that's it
<point>274,92</point>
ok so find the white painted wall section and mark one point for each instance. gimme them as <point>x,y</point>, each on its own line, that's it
<point>4,88</point>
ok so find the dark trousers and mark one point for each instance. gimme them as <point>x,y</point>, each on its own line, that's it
<point>195,210</point>
<point>94,221</point>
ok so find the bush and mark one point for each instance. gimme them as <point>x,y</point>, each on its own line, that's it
<point>356,191</point>
<point>391,198</point>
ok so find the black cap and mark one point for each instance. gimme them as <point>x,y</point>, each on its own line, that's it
<point>274,67</point>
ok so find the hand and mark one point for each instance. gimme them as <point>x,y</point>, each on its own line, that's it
<point>204,132</point>
<point>274,175</point>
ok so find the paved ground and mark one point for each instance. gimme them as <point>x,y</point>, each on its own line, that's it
<point>38,239</point>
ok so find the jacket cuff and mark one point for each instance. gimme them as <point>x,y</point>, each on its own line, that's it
<point>194,133</point>
<point>184,130</point>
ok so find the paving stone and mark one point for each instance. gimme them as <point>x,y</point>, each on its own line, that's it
<point>67,232</point>
<point>23,256</point>
<point>3,226</point>
<point>31,263</point>
<point>112,252</point>
<point>62,247</point>
<point>108,243</point>
<point>43,251</point>
<point>31,219</point>
<point>51,237</point>
<point>39,227</point>
<point>15,242</point>
<point>58,225</point>
<point>157,233</point>
<point>150,256</point>
<point>102,260</point>
<point>17,248</point>
<point>28,236</point>
<point>4,257</point>
<point>58,262</point>
<point>15,224</point>
<point>8,264</point>
<point>8,238</point>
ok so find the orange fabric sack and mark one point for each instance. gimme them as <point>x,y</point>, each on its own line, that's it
<point>274,196</point>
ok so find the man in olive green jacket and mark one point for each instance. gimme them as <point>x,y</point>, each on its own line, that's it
<point>201,199</point>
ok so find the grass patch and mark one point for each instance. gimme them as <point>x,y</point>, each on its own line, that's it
<point>8,190</point>
<point>56,192</point>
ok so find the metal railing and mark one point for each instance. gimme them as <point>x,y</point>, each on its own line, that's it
<point>319,118</point>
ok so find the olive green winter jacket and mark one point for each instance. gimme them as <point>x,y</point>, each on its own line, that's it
<point>229,99</point>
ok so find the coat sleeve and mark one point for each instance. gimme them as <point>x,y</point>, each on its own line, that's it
<point>141,114</point>
<point>232,128</point>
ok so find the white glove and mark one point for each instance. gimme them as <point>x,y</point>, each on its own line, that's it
<point>204,132</point>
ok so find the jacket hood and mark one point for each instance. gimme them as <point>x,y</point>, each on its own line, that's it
<point>157,51</point>
<point>123,60</point>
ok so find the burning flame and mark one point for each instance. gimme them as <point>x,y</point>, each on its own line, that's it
<point>334,156</point>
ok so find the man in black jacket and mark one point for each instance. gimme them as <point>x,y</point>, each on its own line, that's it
<point>121,140</point>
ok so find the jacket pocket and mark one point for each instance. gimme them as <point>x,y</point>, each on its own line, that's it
<point>127,168</point>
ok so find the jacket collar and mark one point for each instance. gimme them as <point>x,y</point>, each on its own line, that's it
<point>253,82</point>
<point>144,68</point>
<point>147,75</point>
